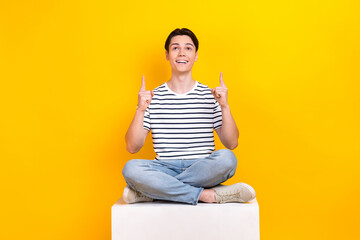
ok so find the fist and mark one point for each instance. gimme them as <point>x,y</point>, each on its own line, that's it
<point>221,93</point>
<point>144,97</point>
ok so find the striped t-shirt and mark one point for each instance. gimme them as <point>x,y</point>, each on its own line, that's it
<point>182,124</point>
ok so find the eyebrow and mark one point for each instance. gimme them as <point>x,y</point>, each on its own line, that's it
<point>179,44</point>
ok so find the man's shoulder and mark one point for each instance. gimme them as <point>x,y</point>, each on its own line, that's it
<point>160,88</point>
<point>203,87</point>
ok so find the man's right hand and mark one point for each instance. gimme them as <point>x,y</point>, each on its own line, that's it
<point>144,97</point>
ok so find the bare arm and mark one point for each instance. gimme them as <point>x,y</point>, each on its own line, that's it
<point>229,132</point>
<point>136,134</point>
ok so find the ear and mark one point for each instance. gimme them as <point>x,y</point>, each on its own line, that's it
<point>167,55</point>
<point>196,56</point>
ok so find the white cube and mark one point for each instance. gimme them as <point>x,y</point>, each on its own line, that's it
<point>162,220</point>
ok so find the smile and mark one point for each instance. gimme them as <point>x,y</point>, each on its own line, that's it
<point>182,61</point>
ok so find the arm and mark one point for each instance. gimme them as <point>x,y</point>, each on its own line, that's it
<point>136,134</point>
<point>229,132</point>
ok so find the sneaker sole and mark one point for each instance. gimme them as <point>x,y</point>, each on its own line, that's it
<point>125,193</point>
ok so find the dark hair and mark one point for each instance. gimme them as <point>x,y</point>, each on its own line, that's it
<point>182,31</point>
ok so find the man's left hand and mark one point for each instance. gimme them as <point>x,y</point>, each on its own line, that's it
<point>221,93</point>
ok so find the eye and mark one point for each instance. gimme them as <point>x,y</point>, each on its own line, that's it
<point>189,48</point>
<point>174,48</point>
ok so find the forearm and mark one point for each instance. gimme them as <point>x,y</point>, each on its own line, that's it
<point>134,136</point>
<point>229,131</point>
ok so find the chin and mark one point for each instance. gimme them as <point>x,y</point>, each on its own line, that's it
<point>182,70</point>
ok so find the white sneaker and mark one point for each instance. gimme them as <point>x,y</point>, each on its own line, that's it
<point>132,196</point>
<point>239,192</point>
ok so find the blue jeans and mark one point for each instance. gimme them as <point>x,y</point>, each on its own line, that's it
<point>180,180</point>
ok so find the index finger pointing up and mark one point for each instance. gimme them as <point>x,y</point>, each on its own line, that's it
<point>222,84</point>
<point>142,84</point>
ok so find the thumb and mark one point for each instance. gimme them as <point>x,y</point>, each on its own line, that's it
<point>142,89</point>
<point>213,93</point>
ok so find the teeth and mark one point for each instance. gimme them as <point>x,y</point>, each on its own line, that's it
<point>181,61</point>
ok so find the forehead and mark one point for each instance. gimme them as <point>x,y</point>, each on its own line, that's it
<point>181,39</point>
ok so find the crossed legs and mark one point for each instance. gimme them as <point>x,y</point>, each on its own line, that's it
<point>181,180</point>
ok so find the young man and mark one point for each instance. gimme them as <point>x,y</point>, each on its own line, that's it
<point>182,113</point>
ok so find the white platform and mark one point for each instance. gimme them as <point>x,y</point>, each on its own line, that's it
<point>162,220</point>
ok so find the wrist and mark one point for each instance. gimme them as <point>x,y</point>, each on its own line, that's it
<point>140,110</point>
<point>225,107</point>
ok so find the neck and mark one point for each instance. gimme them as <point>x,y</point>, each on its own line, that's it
<point>181,82</point>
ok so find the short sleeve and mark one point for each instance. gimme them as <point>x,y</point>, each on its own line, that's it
<point>147,123</point>
<point>217,120</point>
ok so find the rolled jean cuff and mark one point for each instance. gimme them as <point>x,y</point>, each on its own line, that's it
<point>197,196</point>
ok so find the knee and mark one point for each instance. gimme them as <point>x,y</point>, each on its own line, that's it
<point>228,159</point>
<point>131,169</point>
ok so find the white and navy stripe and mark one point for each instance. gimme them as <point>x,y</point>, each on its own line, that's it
<point>182,124</point>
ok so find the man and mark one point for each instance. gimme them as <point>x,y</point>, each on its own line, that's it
<point>182,113</point>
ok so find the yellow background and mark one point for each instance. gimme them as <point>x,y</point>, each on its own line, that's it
<point>70,72</point>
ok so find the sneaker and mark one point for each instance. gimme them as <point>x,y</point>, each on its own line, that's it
<point>239,192</point>
<point>132,196</point>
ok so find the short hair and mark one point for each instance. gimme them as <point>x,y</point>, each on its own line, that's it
<point>182,31</point>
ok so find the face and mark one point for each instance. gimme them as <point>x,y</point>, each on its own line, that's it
<point>182,53</point>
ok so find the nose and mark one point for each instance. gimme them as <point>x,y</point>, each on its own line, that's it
<point>181,53</point>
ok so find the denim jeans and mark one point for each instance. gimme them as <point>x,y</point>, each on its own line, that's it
<point>180,180</point>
